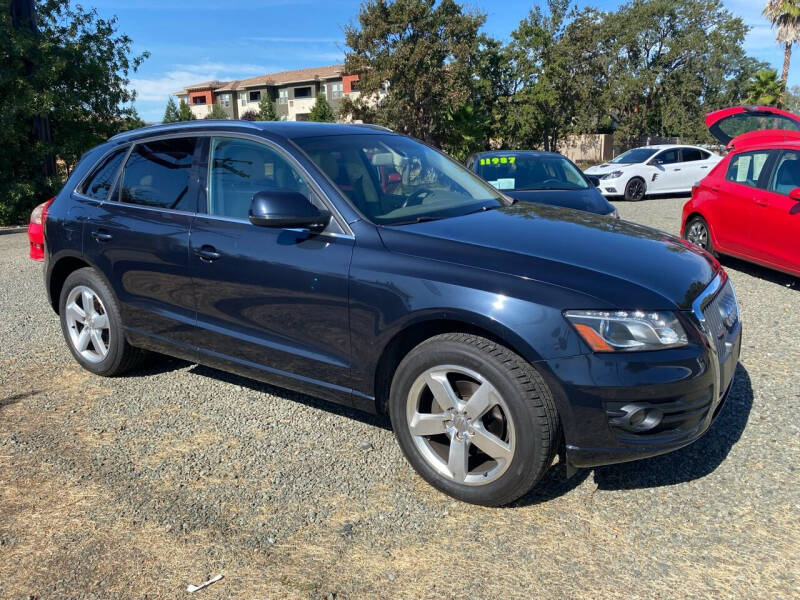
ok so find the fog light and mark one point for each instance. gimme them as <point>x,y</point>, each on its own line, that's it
<point>611,190</point>
<point>635,417</point>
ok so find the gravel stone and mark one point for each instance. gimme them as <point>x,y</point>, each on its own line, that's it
<point>117,488</point>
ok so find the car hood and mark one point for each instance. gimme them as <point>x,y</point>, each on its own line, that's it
<point>619,264</point>
<point>606,168</point>
<point>589,199</point>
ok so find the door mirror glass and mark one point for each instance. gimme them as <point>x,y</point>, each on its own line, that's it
<point>286,210</point>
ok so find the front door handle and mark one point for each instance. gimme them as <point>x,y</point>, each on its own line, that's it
<point>207,253</point>
<point>761,201</point>
<point>101,235</point>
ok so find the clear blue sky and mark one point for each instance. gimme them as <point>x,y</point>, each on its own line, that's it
<point>198,40</point>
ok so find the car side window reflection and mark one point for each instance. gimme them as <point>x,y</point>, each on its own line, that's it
<point>240,168</point>
<point>157,174</point>
<point>745,168</point>
<point>668,157</point>
<point>786,175</point>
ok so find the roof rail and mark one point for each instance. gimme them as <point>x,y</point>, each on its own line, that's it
<point>181,125</point>
<point>372,126</point>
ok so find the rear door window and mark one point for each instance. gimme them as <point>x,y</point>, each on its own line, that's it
<point>786,175</point>
<point>98,184</point>
<point>693,154</point>
<point>746,168</point>
<point>157,174</point>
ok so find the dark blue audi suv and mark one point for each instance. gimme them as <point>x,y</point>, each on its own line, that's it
<point>369,269</point>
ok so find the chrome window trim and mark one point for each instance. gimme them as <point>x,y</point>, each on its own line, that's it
<point>336,234</point>
<point>705,297</point>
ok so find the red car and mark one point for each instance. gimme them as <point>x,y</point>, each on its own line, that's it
<point>748,206</point>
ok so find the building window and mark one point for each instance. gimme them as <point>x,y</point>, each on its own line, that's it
<point>283,96</point>
<point>225,100</point>
<point>303,92</point>
<point>336,90</point>
<point>255,96</point>
<point>199,100</point>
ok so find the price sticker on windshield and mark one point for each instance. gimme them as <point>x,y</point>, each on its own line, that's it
<point>498,160</point>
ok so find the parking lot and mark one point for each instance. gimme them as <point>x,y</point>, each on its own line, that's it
<point>138,486</point>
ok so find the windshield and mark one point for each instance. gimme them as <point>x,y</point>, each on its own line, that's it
<point>637,155</point>
<point>530,172</point>
<point>395,180</point>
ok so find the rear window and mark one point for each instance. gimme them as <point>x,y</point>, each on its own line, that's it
<point>99,183</point>
<point>745,168</point>
<point>157,174</point>
<point>747,122</point>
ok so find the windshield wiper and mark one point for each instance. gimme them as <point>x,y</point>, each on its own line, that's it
<point>423,219</point>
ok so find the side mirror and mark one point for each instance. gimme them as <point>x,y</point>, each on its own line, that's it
<point>656,162</point>
<point>594,180</point>
<point>287,210</point>
<point>795,194</point>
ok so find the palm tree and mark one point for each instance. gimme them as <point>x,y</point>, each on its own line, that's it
<point>785,16</point>
<point>765,89</point>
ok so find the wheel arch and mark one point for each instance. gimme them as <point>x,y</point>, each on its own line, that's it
<point>696,213</point>
<point>417,331</point>
<point>62,268</point>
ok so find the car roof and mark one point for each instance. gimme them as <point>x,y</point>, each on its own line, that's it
<point>525,152</point>
<point>283,129</point>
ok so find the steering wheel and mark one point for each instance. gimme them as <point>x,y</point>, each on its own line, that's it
<point>551,181</point>
<point>417,197</point>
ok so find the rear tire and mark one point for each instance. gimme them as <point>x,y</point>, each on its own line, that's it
<point>92,326</point>
<point>635,189</point>
<point>473,418</point>
<point>698,233</point>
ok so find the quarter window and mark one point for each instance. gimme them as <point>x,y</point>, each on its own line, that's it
<point>99,183</point>
<point>745,168</point>
<point>786,176</point>
<point>240,169</point>
<point>157,174</point>
<point>693,154</point>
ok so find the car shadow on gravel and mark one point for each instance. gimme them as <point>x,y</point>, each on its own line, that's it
<point>265,388</point>
<point>694,461</point>
<point>777,277</point>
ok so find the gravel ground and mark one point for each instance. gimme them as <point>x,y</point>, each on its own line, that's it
<point>135,487</point>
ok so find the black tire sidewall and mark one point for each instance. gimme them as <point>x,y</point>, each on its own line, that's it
<point>117,345</point>
<point>627,185</point>
<point>527,454</point>
<point>710,245</point>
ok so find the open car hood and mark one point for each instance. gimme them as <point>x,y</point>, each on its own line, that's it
<point>729,123</point>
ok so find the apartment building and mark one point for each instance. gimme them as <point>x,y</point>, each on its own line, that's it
<point>293,92</point>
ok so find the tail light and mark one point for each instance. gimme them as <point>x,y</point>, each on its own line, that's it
<point>36,230</point>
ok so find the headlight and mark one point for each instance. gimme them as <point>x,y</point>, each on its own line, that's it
<point>627,330</point>
<point>612,175</point>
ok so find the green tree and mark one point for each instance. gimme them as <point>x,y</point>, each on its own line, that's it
<point>185,112</point>
<point>322,111</point>
<point>668,62</point>
<point>266,109</point>
<point>419,64</point>
<point>171,112</point>
<point>765,88</point>
<point>557,72</point>
<point>217,112</point>
<point>791,99</point>
<point>132,121</point>
<point>79,79</point>
<point>785,17</point>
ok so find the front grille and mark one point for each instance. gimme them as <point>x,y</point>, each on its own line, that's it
<point>720,318</point>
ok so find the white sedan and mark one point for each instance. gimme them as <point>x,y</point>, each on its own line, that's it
<point>663,169</point>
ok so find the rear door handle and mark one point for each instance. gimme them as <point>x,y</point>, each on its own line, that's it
<point>101,235</point>
<point>208,253</point>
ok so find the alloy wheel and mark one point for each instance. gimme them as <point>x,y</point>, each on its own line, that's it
<point>698,234</point>
<point>87,324</point>
<point>636,189</point>
<point>460,424</point>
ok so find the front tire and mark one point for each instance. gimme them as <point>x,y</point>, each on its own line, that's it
<point>92,327</point>
<point>473,418</point>
<point>635,189</point>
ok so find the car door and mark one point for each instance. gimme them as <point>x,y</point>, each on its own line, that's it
<point>775,229</point>
<point>735,205</point>
<point>696,165</point>
<point>139,239</point>
<point>273,302</point>
<point>666,171</point>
